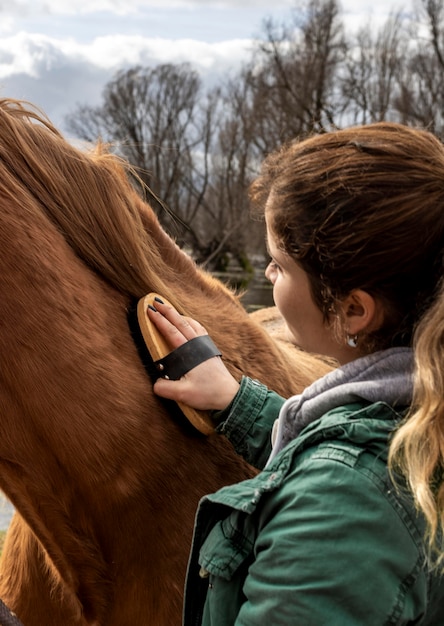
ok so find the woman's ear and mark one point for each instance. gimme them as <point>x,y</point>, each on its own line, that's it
<point>362,312</point>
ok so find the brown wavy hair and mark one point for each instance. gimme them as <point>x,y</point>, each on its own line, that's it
<point>362,208</point>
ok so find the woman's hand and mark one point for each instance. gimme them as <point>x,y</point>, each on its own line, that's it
<point>208,386</point>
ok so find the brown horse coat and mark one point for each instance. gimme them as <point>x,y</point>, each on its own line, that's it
<point>104,477</point>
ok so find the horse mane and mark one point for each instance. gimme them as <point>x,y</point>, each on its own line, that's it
<point>89,196</point>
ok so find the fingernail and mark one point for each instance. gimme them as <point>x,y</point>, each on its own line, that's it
<point>152,308</point>
<point>158,300</point>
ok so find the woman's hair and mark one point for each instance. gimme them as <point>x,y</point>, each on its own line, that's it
<point>417,448</point>
<point>362,208</point>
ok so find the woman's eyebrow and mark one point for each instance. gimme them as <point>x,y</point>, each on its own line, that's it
<point>267,246</point>
<point>273,256</point>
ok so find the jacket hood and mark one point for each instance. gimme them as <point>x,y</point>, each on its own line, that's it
<point>385,376</point>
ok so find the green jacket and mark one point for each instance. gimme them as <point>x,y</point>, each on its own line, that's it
<point>319,537</point>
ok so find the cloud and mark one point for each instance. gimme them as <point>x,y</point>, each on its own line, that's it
<point>58,74</point>
<point>57,60</point>
<point>36,54</point>
<point>123,7</point>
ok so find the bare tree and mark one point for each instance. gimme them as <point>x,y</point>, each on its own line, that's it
<point>295,70</point>
<point>421,96</point>
<point>198,150</point>
<point>373,72</point>
<point>149,116</point>
<point>175,135</point>
<point>232,168</point>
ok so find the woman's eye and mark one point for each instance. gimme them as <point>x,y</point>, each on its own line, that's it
<point>274,266</point>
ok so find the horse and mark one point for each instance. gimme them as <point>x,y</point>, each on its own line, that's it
<point>105,477</point>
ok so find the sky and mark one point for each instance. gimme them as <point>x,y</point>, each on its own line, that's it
<point>58,54</point>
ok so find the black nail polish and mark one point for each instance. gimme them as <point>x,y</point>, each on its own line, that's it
<point>152,308</point>
<point>158,300</point>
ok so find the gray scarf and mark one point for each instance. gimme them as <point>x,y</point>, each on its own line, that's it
<point>384,376</point>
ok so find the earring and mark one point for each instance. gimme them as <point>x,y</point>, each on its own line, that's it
<point>352,341</point>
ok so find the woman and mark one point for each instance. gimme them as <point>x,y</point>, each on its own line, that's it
<point>326,534</point>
